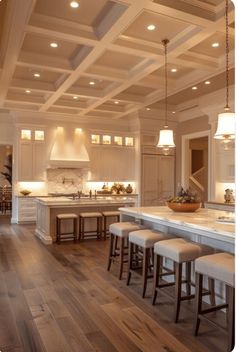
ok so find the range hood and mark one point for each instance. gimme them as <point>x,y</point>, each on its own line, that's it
<point>69,149</point>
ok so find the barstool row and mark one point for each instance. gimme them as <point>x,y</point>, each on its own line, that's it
<point>100,229</point>
<point>145,251</point>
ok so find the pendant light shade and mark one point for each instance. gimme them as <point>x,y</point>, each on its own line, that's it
<point>166,137</point>
<point>226,120</point>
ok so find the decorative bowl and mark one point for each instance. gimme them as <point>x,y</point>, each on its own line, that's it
<point>25,192</point>
<point>183,207</point>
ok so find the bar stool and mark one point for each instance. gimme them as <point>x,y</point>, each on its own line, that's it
<point>90,215</point>
<point>109,214</point>
<point>219,266</point>
<point>59,219</point>
<point>144,240</point>
<point>179,251</point>
<point>120,230</point>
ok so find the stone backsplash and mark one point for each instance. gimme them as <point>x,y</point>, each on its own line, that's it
<point>66,180</point>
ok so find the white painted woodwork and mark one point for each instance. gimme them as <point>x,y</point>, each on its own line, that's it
<point>112,163</point>
<point>158,178</point>
<point>25,209</point>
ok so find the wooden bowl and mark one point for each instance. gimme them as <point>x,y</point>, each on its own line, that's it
<point>183,207</point>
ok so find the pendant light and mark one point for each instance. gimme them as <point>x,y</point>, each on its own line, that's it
<point>166,139</point>
<point>226,120</point>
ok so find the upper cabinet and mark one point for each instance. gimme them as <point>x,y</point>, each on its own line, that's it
<point>31,158</point>
<point>112,140</point>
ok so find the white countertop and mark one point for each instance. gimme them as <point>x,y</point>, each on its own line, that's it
<point>59,201</point>
<point>203,221</point>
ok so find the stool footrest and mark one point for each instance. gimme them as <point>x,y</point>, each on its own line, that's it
<point>213,309</point>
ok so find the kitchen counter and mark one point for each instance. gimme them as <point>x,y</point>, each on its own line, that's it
<point>49,207</point>
<point>201,226</point>
<point>220,206</point>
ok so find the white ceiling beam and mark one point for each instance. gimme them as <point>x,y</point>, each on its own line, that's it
<point>18,13</point>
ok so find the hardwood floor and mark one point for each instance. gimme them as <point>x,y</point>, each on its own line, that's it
<point>60,298</point>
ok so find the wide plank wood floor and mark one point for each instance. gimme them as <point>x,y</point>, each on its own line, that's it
<point>62,299</point>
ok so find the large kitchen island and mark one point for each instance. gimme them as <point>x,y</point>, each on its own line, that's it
<point>215,228</point>
<point>49,207</point>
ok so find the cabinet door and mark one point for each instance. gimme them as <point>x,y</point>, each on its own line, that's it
<point>149,179</point>
<point>158,179</point>
<point>25,161</point>
<point>166,177</point>
<point>39,161</point>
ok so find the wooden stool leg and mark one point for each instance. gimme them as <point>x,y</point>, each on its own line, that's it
<point>75,229</point>
<point>130,259</point>
<point>211,288</point>
<point>145,269</point>
<point>110,252</point>
<point>198,303</point>
<point>188,278</point>
<point>121,257</point>
<point>231,317</point>
<point>105,227</point>
<point>157,261</point>
<point>178,279</point>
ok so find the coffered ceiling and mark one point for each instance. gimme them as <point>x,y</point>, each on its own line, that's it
<point>100,60</point>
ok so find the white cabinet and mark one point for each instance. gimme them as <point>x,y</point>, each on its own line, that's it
<point>112,164</point>
<point>158,178</point>
<point>26,209</point>
<point>31,156</point>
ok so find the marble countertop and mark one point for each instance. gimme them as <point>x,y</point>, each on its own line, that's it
<point>203,220</point>
<point>59,201</point>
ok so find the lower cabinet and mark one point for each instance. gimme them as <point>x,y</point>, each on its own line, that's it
<point>26,209</point>
<point>158,179</point>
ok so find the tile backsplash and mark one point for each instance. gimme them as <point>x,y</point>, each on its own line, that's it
<point>66,180</point>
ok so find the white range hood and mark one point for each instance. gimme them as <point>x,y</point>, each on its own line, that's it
<point>69,150</point>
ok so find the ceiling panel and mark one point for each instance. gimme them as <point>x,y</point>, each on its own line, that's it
<point>98,83</point>
<point>181,71</point>
<point>118,60</point>
<point>205,47</point>
<point>86,13</point>
<point>166,27</point>
<point>27,73</point>
<point>41,45</point>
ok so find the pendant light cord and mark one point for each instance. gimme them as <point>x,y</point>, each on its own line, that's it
<point>165,42</point>
<point>227,53</point>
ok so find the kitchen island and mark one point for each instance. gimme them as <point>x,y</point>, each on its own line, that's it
<point>212,227</point>
<point>49,207</point>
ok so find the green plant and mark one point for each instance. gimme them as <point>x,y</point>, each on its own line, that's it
<point>185,196</point>
<point>8,166</point>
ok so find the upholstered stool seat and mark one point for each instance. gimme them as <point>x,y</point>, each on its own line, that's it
<point>90,215</point>
<point>120,230</point>
<point>67,235</point>
<point>109,214</point>
<point>219,266</point>
<point>179,251</point>
<point>141,244</point>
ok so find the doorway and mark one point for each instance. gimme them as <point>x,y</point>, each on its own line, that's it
<point>5,180</point>
<point>195,164</point>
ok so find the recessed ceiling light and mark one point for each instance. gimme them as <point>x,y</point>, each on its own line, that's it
<point>74,4</point>
<point>215,45</point>
<point>174,70</point>
<point>148,109</point>
<point>207,82</point>
<point>151,27</point>
<point>194,88</point>
<point>36,74</point>
<point>75,97</point>
<point>53,45</point>
<point>173,112</point>
<point>116,102</point>
<point>28,91</point>
<point>91,83</point>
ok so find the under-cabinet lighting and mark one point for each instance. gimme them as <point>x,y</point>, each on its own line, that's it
<point>78,130</point>
<point>129,141</point>
<point>118,140</point>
